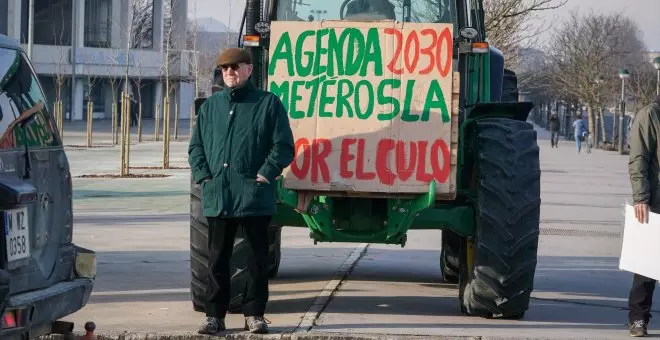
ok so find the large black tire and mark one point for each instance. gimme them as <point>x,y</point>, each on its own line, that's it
<point>199,257</point>
<point>450,256</point>
<point>509,86</point>
<point>501,279</point>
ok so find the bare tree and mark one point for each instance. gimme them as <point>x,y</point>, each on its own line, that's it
<point>641,85</point>
<point>60,76</point>
<point>585,55</point>
<point>172,54</point>
<point>510,25</point>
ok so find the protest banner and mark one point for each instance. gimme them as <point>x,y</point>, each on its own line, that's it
<point>372,105</point>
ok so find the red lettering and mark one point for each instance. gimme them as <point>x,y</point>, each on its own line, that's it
<point>446,38</point>
<point>407,163</point>
<point>318,160</point>
<point>428,51</point>
<point>397,52</point>
<point>421,174</point>
<point>405,171</point>
<point>344,157</point>
<point>359,171</point>
<point>301,171</point>
<point>385,175</point>
<point>409,48</point>
<point>440,172</point>
<point>412,43</point>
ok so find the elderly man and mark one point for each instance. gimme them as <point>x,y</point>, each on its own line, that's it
<point>241,143</point>
<point>644,168</point>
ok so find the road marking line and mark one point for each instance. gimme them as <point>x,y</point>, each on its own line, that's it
<point>323,299</point>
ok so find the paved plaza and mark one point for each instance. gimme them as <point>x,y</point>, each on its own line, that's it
<point>140,229</point>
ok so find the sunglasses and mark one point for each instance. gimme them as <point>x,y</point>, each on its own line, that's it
<point>232,66</point>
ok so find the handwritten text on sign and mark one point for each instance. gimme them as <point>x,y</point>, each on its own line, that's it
<point>370,106</point>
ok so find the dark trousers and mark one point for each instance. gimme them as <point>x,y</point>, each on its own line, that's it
<point>554,138</point>
<point>640,299</point>
<point>221,245</point>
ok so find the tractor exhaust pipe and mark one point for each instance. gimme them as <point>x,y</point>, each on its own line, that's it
<point>252,17</point>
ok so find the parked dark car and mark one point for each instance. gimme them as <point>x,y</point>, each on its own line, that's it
<point>44,276</point>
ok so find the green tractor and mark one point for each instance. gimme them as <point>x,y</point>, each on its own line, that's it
<point>485,193</point>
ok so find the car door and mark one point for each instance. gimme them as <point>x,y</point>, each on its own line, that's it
<point>43,254</point>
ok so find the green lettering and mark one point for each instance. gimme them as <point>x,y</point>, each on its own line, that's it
<point>314,84</point>
<point>373,54</point>
<point>384,100</point>
<point>354,51</point>
<point>406,116</point>
<point>342,98</point>
<point>334,54</point>
<point>282,51</point>
<point>320,51</point>
<point>293,111</point>
<point>281,91</point>
<point>370,98</point>
<point>325,99</point>
<point>306,69</point>
<point>435,91</point>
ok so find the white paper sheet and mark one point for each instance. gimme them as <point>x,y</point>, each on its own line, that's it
<point>640,249</point>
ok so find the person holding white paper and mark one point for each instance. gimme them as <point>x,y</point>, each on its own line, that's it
<point>644,170</point>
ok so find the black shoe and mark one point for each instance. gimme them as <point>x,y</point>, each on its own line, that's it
<point>638,328</point>
<point>212,326</point>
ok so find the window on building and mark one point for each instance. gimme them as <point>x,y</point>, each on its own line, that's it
<point>4,17</point>
<point>143,23</point>
<point>52,22</point>
<point>98,23</point>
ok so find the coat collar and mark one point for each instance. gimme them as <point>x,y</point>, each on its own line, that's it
<point>240,93</point>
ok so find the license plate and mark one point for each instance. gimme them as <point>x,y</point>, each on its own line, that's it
<point>17,234</point>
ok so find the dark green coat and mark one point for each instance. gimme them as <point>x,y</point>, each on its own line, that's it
<point>643,164</point>
<point>240,134</point>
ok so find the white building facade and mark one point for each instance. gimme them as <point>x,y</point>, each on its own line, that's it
<point>88,41</point>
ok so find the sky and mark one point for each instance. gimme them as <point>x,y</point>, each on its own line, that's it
<point>645,12</point>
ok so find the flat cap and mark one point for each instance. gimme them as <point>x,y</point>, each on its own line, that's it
<point>233,55</point>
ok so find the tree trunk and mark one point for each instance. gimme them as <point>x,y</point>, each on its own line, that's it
<point>592,118</point>
<point>602,124</point>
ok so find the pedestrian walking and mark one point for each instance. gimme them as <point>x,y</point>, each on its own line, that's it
<point>134,111</point>
<point>644,168</point>
<point>240,144</point>
<point>580,131</point>
<point>554,130</point>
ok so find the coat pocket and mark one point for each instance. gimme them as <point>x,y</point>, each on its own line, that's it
<point>209,193</point>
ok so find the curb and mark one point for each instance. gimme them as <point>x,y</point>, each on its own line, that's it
<point>248,336</point>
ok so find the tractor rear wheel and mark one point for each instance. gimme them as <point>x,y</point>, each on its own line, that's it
<point>450,256</point>
<point>199,257</point>
<point>497,273</point>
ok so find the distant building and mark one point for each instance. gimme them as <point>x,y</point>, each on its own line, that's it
<point>99,30</point>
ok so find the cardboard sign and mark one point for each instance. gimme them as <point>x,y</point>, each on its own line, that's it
<point>370,105</point>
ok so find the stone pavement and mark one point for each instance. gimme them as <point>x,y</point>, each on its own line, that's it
<point>139,227</point>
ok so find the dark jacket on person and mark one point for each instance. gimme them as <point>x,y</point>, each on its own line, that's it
<point>554,123</point>
<point>240,133</point>
<point>643,164</point>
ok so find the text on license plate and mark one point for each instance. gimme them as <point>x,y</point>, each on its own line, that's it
<point>17,234</point>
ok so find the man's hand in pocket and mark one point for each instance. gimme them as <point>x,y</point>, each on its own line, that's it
<point>262,179</point>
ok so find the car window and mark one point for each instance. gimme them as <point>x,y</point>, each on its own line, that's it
<point>20,90</point>
<point>7,123</point>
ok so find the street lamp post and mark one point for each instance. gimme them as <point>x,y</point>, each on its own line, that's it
<point>623,74</point>
<point>599,80</point>
<point>656,63</point>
